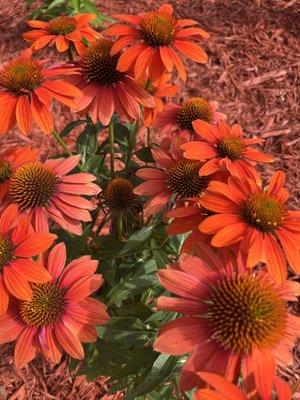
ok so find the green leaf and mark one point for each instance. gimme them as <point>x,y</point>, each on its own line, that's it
<point>121,134</point>
<point>134,309</point>
<point>145,155</point>
<point>67,129</point>
<point>137,238</point>
<point>54,4</point>
<point>160,371</point>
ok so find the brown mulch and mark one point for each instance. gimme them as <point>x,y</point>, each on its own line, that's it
<point>253,72</point>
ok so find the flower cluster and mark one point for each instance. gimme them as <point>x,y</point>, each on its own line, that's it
<point>240,237</point>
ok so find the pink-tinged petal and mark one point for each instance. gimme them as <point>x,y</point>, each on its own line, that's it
<point>178,64</point>
<point>181,212</point>
<point>264,369</point>
<point>183,306</point>
<point>66,165</point>
<point>30,270</point>
<point>43,41</point>
<point>22,230</point>
<point>127,102</point>
<point>150,173</point>
<point>123,42</point>
<point>181,283</point>
<point>195,267</point>
<point>290,249</point>
<point>76,201</point>
<point>24,115</point>
<point>229,235</point>
<point>38,24</point>
<point>8,218</point>
<point>198,150</point>
<point>8,108</point>
<point>57,260</point>
<point>88,311</point>
<point>180,336</point>
<point>187,33</point>
<point>4,299</point>
<point>63,88</point>
<point>210,167</point>
<point>77,269</point>
<point>40,220</point>
<point>41,114</point>
<point>283,389</point>
<point>222,385</point>
<point>290,290</point>
<point>166,57</point>
<point>69,224</point>
<point>128,57</point>
<point>157,203</point>
<point>89,93</point>
<point>275,259</point>
<point>162,158</point>
<point>72,212</point>
<point>68,341</point>
<point>89,189</point>
<point>87,334</point>
<point>16,285</point>
<point>106,105</point>
<point>84,287</point>
<point>257,156</point>
<point>142,62</point>
<point>11,327</point>
<point>25,350</point>
<point>219,204</point>
<point>138,92</point>
<point>225,190</point>
<point>216,222</point>
<point>51,348</point>
<point>150,188</point>
<point>276,183</point>
<point>166,8</point>
<point>191,50</point>
<point>35,244</point>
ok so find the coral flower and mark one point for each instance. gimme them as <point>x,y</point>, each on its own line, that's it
<point>17,245</point>
<point>45,191</point>
<point>257,219</point>
<point>105,89</point>
<point>62,31</point>
<point>154,42</point>
<point>159,90</point>
<point>224,390</point>
<point>178,119</point>
<point>9,161</point>
<point>60,314</point>
<point>226,149</point>
<point>26,93</point>
<point>175,179</point>
<point>233,323</point>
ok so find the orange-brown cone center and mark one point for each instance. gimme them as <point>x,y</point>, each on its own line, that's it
<point>5,170</point>
<point>231,147</point>
<point>6,250</point>
<point>192,109</point>
<point>118,194</point>
<point>157,28</point>
<point>62,25</point>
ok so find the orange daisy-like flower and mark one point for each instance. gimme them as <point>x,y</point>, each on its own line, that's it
<point>175,179</point>
<point>45,191</point>
<point>9,161</point>
<point>154,42</point>
<point>257,219</point>
<point>26,93</point>
<point>105,89</point>
<point>234,323</point>
<point>159,90</point>
<point>17,245</point>
<point>221,389</point>
<point>62,31</point>
<point>226,149</point>
<point>60,314</point>
<point>178,119</point>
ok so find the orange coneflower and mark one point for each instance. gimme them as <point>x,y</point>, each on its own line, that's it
<point>155,41</point>
<point>17,245</point>
<point>257,219</point>
<point>176,178</point>
<point>10,160</point>
<point>105,89</point>
<point>45,191</point>
<point>62,31</point>
<point>178,119</point>
<point>26,93</point>
<point>222,389</point>
<point>60,314</point>
<point>234,323</point>
<point>159,90</point>
<point>226,149</point>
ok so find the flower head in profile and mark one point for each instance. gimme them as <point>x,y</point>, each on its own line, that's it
<point>62,31</point>
<point>234,323</point>
<point>60,314</point>
<point>10,160</point>
<point>105,89</point>
<point>159,90</point>
<point>226,149</point>
<point>175,179</point>
<point>26,92</point>
<point>46,191</point>
<point>257,219</point>
<point>178,119</point>
<point>18,243</point>
<point>220,388</point>
<point>155,41</point>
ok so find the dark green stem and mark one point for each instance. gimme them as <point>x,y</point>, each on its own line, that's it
<point>119,223</point>
<point>61,142</point>
<point>111,148</point>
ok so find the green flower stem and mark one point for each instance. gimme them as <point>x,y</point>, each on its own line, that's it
<point>111,148</point>
<point>61,142</point>
<point>119,222</point>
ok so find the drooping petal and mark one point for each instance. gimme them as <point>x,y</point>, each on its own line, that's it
<point>25,350</point>
<point>68,341</point>
<point>57,260</point>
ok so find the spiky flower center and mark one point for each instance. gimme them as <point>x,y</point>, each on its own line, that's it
<point>184,179</point>
<point>32,185</point>
<point>46,306</point>
<point>192,109</point>
<point>98,65</point>
<point>21,76</point>
<point>263,211</point>
<point>5,170</point>
<point>231,147</point>
<point>6,250</point>
<point>118,194</point>
<point>244,312</point>
<point>62,25</point>
<point>157,28</point>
